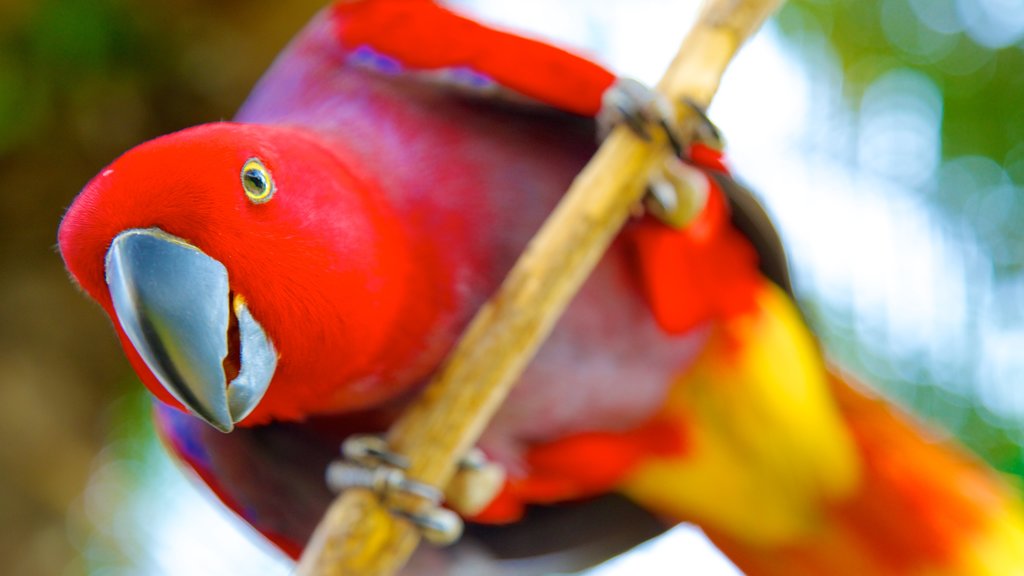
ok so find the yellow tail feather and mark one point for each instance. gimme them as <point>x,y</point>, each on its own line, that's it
<point>794,471</point>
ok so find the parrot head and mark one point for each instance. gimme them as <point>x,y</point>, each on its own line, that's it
<point>249,272</point>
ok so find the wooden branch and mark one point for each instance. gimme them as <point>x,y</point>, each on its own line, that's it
<point>357,536</point>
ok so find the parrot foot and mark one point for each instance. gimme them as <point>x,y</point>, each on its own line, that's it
<point>371,450</point>
<point>369,463</point>
<point>640,107</point>
<point>646,111</point>
<point>475,484</point>
<point>677,189</point>
<point>676,192</point>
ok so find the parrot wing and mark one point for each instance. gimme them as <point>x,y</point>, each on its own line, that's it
<point>753,222</point>
<point>421,36</point>
<point>426,46</point>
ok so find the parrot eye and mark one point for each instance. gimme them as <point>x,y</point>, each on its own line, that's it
<point>256,181</point>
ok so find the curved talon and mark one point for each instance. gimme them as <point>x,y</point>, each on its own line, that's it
<point>701,128</point>
<point>370,463</point>
<point>476,483</point>
<point>385,481</point>
<point>438,526</point>
<point>372,450</point>
<point>475,459</point>
<point>640,107</point>
<point>677,192</point>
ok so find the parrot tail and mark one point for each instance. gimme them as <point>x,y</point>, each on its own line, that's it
<point>793,469</point>
<point>922,506</point>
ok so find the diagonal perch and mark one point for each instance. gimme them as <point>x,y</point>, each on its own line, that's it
<point>358,536</point>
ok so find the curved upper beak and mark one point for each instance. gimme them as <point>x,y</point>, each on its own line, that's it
<point>173,302</point>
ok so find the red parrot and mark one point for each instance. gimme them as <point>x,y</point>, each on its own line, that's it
<point>296,275</point>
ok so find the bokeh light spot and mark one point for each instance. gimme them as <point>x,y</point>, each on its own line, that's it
<point>900,119</point>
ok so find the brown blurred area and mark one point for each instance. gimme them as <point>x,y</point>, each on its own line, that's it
<point>80,82</point>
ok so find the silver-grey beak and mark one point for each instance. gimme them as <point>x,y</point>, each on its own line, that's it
<point>171,299</point>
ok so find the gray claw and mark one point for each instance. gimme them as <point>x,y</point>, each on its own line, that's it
<point>644,110</point>
<point>638,106</point>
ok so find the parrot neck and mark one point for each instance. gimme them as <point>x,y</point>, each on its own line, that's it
<point>360,308</point>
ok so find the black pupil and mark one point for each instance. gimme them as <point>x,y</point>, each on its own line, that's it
<point>255,179</point>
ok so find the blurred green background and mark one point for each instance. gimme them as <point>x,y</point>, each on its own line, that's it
<point>83,80</point>
<point>80,82</point>
<point>962,61</point>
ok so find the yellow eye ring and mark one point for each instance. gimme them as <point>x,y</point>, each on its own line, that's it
<point>257,181</point>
